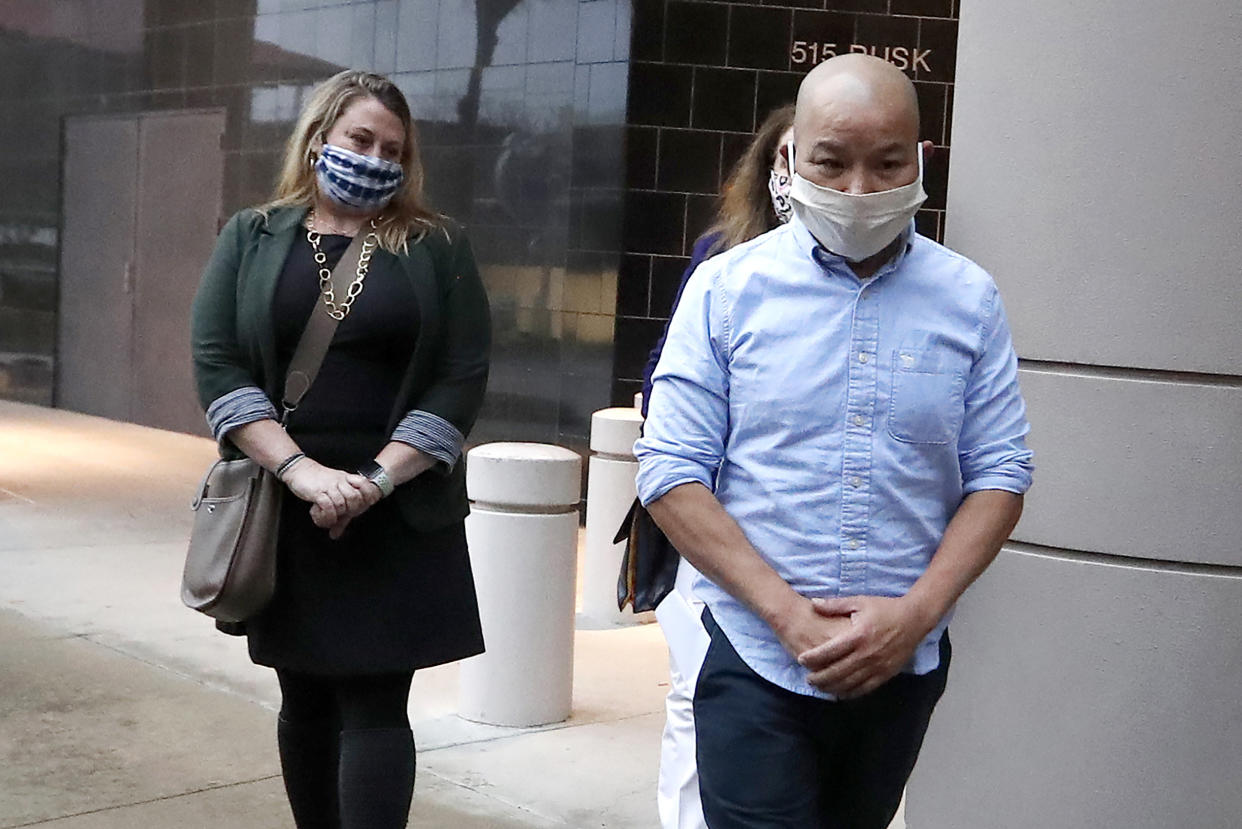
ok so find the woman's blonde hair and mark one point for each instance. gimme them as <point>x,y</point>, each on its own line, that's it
<point>745,205</point>
<point>407,214</point>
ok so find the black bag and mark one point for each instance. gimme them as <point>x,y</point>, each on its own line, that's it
<point>649,566</point>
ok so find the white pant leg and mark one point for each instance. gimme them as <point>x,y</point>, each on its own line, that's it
<point>678,789</point>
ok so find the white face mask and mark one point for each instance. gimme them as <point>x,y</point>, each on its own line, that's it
<point>855,226</point>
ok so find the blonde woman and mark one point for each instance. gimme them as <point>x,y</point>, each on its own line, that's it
<point>373,574</point>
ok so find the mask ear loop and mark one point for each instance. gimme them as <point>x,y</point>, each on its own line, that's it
<point>312,154</point>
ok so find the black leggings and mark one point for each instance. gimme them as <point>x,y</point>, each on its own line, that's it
<point>346,750</point>
<point>355,702</point>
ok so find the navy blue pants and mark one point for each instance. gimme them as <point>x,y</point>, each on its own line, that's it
<point>772,759</point>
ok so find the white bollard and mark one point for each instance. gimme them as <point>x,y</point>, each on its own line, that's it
<point>523,537</point>
<point>610,492</point>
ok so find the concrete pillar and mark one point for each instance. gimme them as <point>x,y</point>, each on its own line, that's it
<point>1096,665</point>
<point>610,492</point>
<point>523,537</point>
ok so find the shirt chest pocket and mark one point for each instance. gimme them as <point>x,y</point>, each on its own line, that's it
<point>926,404</point>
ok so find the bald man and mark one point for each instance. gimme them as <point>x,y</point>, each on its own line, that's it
<point>836,441</point>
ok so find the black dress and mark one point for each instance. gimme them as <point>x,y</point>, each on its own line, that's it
<point>383,597</point>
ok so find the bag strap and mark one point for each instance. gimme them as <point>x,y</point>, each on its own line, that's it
<point>320,328</point>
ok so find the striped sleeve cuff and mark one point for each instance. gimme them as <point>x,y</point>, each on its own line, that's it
<point>237,408</point>
<point>432,435</point>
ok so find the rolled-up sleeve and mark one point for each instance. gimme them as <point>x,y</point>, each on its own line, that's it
<point>688,414</point>
<point>992,448</point>
<point>432,435</point>
<point>228,383</point>
<point>220,364</point>
<point>237,408</point>
<point>444,412</point>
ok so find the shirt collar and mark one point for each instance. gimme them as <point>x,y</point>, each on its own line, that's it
<point>829,261</point>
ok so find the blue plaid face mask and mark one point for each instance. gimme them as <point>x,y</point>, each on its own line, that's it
<point>359,182</point>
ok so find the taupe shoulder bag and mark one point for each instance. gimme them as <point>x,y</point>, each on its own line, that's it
<point>230,568</point>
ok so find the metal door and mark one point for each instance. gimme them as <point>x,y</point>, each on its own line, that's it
<point>142,198</point>
<point>96,266</point>
<point>180,171</point>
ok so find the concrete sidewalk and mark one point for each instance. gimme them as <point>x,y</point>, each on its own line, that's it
<point>119,707</point>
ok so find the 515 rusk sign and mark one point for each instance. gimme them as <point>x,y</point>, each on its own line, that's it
<point>907,58</point>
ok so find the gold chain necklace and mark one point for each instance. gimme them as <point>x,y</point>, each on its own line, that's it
<point>340,312</point>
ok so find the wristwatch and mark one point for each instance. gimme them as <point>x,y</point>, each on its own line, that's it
<point>378,475</point>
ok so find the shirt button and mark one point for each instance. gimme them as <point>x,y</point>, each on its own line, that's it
<point>855,482</point>
<point>854,544</point>
<point>859,420</point>
<point>863,357</point>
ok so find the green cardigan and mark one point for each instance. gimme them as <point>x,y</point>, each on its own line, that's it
<point>234,343</point>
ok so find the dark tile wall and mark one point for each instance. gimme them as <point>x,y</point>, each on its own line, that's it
<point>521,109</point>
<point>582,141</point>
<point>704,74</point>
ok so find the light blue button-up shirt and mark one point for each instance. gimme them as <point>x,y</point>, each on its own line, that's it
<point>840,422</point>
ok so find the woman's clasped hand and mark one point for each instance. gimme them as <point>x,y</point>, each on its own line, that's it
<point>336,496</point>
